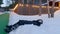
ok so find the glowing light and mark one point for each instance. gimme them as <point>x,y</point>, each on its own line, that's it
<point>21,5</point>
<point>35,6</point>
<point>44,6</point>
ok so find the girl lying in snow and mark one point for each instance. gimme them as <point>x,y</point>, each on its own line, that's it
<point>22,22</point>
<point>50,25</point>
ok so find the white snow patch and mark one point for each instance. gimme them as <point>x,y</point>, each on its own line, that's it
<point>49,26</point>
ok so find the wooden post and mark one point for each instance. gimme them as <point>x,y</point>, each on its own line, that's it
<point>48,9</point>
<point>59,4</point>
<point>22,8</point>
<point>28,7</point>
<point>18,4</point>
<point>40,9</point>
<point>27,3</point>
<point>52,12</point>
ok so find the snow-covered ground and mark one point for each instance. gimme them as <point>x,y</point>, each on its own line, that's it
<point>49,26</point>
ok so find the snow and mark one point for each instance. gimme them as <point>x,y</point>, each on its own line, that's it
<point>6,3</point>
<point>49,26</point>
<point>55,0</point>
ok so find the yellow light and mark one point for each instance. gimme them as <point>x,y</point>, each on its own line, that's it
<point>44,6</point>
<point>15,7</point>
<point>35,6</point>
<point>21,5</point>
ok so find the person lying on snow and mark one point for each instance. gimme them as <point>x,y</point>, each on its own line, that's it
<point>17,20</point>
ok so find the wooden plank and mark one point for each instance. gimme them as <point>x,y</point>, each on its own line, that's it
<point>52,12</point>
<point>48,9</point>
<point>40,8</point>
<point>59,5</point>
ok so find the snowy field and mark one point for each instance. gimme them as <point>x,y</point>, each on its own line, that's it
<point>49,26</point>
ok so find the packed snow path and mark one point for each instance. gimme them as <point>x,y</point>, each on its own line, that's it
<point>49,26</point>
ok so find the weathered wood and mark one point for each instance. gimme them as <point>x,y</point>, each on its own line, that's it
<point>34,9</point>
<point>48,9</point>
<point>59,5</point>
<point>40,8</point>
<point>52,12</point>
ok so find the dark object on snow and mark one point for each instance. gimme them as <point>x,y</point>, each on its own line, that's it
<point>23,22</point>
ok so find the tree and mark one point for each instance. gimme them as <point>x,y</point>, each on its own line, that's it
<point>1,2</point>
